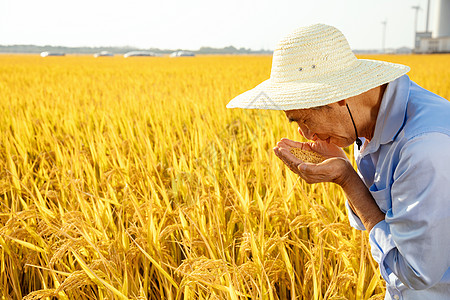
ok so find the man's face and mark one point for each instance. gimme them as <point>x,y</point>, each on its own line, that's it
<point>328,123</point>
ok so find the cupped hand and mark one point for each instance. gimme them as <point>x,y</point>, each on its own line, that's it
<point>327,150</point>
<point>335,168</point>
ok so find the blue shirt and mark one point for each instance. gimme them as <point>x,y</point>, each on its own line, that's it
<point>406,167</point>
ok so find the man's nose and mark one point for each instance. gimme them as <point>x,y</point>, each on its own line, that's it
<point>304,132</point>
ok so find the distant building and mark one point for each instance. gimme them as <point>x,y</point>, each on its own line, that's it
<point>103,53</point>
<point>181,53</point>
<point>403,50</point>
<point>437,41</point>
<point>139,53</point>
<point>47,53</point>
<point>434,45</point>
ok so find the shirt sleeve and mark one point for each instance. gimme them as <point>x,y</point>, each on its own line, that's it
<point>355,221</point>
<point>413,241</point>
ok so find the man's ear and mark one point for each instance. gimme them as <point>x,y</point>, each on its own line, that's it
<point>342,102</point>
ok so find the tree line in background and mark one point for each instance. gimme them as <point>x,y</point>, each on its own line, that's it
<point>122,50</point>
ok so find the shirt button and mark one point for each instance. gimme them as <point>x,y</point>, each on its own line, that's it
<point>396,297</point>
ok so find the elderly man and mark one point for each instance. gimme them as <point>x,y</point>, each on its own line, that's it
<point>401,193</point>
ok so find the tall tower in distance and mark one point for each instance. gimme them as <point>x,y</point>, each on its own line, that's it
<point>442,19</point>
<point>437,41</point>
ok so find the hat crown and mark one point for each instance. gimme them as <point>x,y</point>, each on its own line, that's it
<point>311,52</point>
<point>314,66</point>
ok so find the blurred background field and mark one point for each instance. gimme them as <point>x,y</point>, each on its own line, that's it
<point>127,178</point>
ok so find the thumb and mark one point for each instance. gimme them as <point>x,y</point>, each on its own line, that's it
<point>304,166</point>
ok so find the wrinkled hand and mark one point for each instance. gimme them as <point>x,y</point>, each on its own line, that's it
<point>335,168</point>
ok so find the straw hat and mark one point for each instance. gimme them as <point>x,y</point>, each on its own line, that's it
<point>314,66</point>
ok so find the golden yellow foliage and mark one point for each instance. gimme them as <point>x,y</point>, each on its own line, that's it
<point>127,178</point>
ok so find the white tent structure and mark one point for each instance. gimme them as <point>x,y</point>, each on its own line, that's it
<point>103,54</point>
<point>139,53</point>
<point>47,53</point>
<point>181,53</point>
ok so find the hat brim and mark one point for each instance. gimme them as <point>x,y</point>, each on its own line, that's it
<point>364,75</point>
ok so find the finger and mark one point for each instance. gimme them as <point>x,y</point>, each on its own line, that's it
<point>289,163</point>
<point>319,146</point>
<point>311,173</point>
<point>307,168</point>
<point>287,154</point>
<point>290,160</point>
<point>282,144</point>
<point>292,143</point>
<point>303,145</point>
<point>276,150</point>
<point>280,155</point>
<point>326,171</point>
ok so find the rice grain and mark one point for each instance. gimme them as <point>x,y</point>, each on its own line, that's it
<point>307,156</point>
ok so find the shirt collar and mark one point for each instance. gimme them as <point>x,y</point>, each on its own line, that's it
<point>391,114</point>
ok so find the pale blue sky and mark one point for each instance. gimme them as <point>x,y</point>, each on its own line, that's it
<point>195,23</point>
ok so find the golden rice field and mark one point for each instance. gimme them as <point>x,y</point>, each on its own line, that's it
<point>127,178</point>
